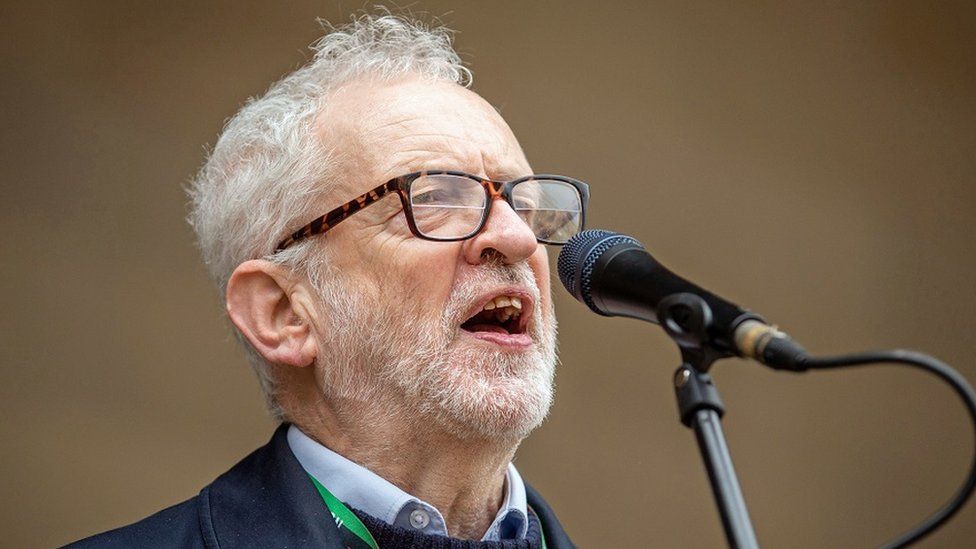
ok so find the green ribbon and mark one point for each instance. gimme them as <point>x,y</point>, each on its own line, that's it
<point>348,523</point>
<point>346,520</point>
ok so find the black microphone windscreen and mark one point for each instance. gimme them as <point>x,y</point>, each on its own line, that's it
<point>576,260</point>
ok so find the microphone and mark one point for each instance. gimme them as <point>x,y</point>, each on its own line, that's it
<point>614,275</point>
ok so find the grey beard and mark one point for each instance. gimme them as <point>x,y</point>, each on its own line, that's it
<point>389,357</point>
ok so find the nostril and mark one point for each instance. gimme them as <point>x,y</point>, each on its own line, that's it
<point>491,254</point>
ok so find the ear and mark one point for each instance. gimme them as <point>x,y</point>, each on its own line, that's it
<point>273,312</point>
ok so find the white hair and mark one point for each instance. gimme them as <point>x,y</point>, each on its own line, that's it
<point>267,173</point>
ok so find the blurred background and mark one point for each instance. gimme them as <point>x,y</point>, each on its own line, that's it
<point>811,161</point>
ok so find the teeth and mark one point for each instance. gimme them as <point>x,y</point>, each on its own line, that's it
<point>505,307</point>
<point>504,301</point>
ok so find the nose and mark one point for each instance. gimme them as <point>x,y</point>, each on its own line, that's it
<point>505,233</point>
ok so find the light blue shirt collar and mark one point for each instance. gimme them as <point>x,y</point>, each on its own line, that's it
<point>360,488</point>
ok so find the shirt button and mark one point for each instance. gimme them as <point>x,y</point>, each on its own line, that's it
<point>419,519</point>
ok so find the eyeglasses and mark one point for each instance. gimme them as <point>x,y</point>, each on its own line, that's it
<point>448,206</point>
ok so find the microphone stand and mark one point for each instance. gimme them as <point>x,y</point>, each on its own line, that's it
<point>686,318</point>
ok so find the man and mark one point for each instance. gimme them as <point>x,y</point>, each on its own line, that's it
<point>406,338</point>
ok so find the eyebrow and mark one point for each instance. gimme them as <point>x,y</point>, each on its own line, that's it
<point>428,165</point>
<point>508,175</point>
<point>425,159</point>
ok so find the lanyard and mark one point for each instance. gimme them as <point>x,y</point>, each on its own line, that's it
<point>352,530</point>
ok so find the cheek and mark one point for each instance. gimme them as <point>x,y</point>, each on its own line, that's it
<point>425,280</point>
<point>540,267</point>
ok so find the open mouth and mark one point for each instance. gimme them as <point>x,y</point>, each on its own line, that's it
<point>501,315</point>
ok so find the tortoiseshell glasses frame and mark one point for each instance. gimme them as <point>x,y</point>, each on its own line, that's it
<point>570,189</point>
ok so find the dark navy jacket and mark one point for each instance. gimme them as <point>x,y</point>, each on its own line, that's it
<point>264,501</point>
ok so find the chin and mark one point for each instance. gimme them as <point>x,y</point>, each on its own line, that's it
<point>478,394</point>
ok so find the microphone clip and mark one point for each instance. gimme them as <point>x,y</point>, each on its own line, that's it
<point>687,319</point>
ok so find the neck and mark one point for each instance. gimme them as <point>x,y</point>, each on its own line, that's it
<point>462,478</point>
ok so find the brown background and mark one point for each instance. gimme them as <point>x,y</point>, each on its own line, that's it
<point>813,162</point>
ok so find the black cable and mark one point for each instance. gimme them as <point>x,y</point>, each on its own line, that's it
<point>959,385</point>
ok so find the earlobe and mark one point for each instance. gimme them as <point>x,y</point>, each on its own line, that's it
<point>266,307</point>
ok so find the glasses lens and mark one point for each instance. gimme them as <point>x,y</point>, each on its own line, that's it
<point>552,208</point>
<point>447,206</point>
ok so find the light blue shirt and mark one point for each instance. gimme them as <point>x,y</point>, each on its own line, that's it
<point>362,489</point>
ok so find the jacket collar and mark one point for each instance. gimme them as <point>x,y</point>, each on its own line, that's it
<point>267,500</point>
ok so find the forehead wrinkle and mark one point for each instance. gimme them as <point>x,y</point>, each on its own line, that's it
<point>413,152</point>
<point>413,116</point>
<point>414,123</point>
<point>434,142</point>
<point>425,156</point>
<point>492,150</point>
<point>454,127</point>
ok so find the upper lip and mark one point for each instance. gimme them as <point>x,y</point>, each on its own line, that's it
<point>524,295</point>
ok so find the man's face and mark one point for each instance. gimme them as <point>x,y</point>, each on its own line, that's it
<point>397,310</point>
